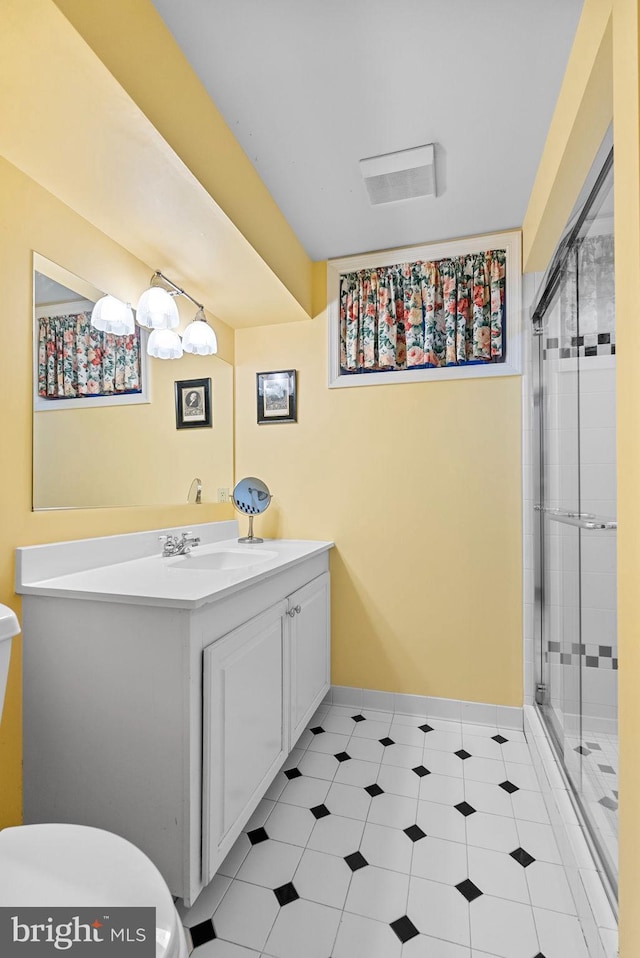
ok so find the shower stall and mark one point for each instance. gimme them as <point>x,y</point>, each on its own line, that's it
<point>575,646</point>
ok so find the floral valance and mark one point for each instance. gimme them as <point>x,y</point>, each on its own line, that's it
<point>439,313</point>
<point>75,360</point>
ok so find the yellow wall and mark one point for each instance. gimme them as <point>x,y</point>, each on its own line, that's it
<point>626,135</point>
<point>419,486</point>
<point>134,455</point>
<point>32,219</point>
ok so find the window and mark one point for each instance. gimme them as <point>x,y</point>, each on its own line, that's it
<point>443,311</point>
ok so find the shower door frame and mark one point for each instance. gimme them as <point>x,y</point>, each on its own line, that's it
<point>541,665</point>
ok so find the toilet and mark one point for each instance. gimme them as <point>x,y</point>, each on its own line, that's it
<point>61,865</point>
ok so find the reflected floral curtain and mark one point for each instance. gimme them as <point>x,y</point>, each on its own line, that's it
<point>74,359</point>
<point>587,298</point>
<point>440,313</point>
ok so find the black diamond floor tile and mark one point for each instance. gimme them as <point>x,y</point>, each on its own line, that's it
<point>465,809</point>
<point>257,835</point>
<point>320,811</point>
<point>581,750</point>
<point>317,730</point>
<point>608,803</point>
<point>374,790</point>
<point>286,894</point>
<point>386,741</point>
<point>539,955</point>
<point>508,787</point>
<point>522,857</point>
<point>404,928</point>
<point>355,861</point>
<point>425,728</point>
<point>500,739</point>
<point>461,753</point>
<point>593,746</point>
<point>421,771</point>
<point>293,773</point>
<point>342,756</point>
<point>358,718</point>
<point>202,932</point>
<point>469,890</point>
<point>414,832</point>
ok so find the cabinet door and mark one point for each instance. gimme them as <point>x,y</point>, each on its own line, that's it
<point>308,617</point>
<point>244,735</point>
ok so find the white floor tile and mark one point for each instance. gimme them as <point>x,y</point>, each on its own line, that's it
<point>549,888</point>
<point>343,724</point>
<point>486,731</point>
<point>365,749</point>
<point>319,765</point>
<point>260,815</point>
<point>246,914</point>
<point>538,840</point>
<point>488,770</point>
<point>277,787</point>
<point>399,781</point>
<point>387,847</point>
<point>488,798</point>
<point>523,776</point>
<point>407,734</point>
<point>357,772</point>
<point>305,738</point>
<point>443,741</point>
<point>496,832</point>
<point>439,911</point>
<point>530,806</point>
<point>404,756</point>
<point>235,858</point>
<point>305,791</point>
<point>348,800</point>
<point>504,928</point>
<point>336,835</point>
<point>270,864</point>
<point>206,902</point>
<point>225,949</point>
<point>444,789</point>
<point>442,763</point>
<point>559,935</point>
<point>360,937</point>
<point>371,729</point>
<point>329,742</point>
<point>290,823</point>
<point>322,878</point>
<point>396,811</point>
<point>303,928</point>
<point>497,874</point>
<point>422,946</point>
<point>377,714</point>
<point>441,821</point>
<point>483,746</point>
<point>516,752</point>
<point>293,758</point>
<point>410,718</point>
<point>439,860</point>
<point>378,893</point>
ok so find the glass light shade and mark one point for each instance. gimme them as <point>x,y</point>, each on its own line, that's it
<point>111,315</point>
<point>157,309</point>
<point>199,338</point>
<point>164,344</point>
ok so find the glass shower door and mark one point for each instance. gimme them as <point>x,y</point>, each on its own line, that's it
<point>576,513</point>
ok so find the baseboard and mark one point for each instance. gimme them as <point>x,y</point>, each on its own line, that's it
<point>455,710</point>
<point>596,915</point>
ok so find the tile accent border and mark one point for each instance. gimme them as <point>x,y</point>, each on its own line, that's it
<point>455,710</point>
<point>596,915</point>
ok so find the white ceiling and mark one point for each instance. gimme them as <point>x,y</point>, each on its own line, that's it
<point>309,87</point>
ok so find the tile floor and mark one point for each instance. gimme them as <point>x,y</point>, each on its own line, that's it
<point>393,836</point>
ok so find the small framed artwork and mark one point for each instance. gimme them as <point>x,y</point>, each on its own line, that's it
<point>193,403</point>
<point>276,393</point>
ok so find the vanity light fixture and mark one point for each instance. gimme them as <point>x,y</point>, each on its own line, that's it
<point>111,315</point>
<point>157,310</point>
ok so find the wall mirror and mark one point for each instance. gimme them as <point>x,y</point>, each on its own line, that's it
<point>104,422</point>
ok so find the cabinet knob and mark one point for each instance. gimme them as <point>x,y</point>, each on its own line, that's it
<point>293,611</point>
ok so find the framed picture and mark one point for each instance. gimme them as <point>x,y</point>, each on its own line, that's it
<point>193,403</point>
<point>277,396</point>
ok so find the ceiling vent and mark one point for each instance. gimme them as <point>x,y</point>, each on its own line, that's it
<point>400,176</point>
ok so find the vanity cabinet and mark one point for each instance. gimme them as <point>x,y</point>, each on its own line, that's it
<point>166,723</point>
<point>261,684</point>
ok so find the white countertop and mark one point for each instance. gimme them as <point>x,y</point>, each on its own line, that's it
<point>153,579</point>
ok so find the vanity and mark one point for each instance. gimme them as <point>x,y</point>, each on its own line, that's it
<point>163,694</point>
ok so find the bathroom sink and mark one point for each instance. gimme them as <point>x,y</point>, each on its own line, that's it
<point>222,560</point>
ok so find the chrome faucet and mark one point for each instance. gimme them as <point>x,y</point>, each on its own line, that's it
<point>178,545</point>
